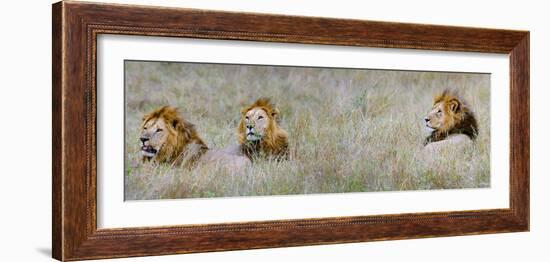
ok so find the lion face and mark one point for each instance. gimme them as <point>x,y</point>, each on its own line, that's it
<point>256,122</point>
<point>449,116</point>
<point>259,133</point>
<point>441,117</point>
<point>166,137</point>
<point>154,134</point>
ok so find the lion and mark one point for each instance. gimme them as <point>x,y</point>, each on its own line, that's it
<point>259,134</point>
<point>449,122</point>
<point>168,138</point>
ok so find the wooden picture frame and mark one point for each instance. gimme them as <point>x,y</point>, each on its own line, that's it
<point>75,28</point>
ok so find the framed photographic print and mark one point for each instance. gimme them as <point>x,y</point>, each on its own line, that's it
<point>182,130</point>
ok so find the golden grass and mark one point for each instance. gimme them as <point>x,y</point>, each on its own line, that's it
<point>350,130</point>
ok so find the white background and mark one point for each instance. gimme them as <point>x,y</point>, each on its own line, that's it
<point>113,211</point>
<point>25,193</point>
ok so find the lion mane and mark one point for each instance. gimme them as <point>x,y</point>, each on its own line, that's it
<point>274,143</point>
<point>182,144</point>
<point>456,118</point>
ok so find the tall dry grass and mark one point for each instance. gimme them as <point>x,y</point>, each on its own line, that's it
<point>350,130</point>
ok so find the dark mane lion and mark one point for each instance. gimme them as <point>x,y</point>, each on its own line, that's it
<point>450,116</point>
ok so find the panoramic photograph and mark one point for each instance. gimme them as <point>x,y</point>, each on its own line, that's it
<point>203,130</point>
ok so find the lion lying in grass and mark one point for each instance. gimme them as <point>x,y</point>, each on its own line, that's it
<point>167,138</point>
<point>450,123</point>
<point>258,133</point>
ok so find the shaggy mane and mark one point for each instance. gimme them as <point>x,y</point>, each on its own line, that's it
<point>275,141</point>
<point>183,144</point>
<point>464,119</point>
<point>263,103</point>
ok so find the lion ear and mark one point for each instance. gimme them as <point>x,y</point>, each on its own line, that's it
<point>245,110</point>
<point>175,123</point>
<point>454,105</point>
<point>275,113</point>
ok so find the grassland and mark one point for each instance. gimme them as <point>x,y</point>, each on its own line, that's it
<point>350,130</point>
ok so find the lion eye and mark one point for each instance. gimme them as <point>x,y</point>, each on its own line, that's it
<point>246,117</point>
<point>260,117</point>
<point>158,130</point>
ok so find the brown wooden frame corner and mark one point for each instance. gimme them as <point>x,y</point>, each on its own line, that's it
<point>75,28</point>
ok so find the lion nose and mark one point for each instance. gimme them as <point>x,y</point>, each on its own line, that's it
<point>426,119</point>
<point>144,139</point>
<point>249,126</point>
